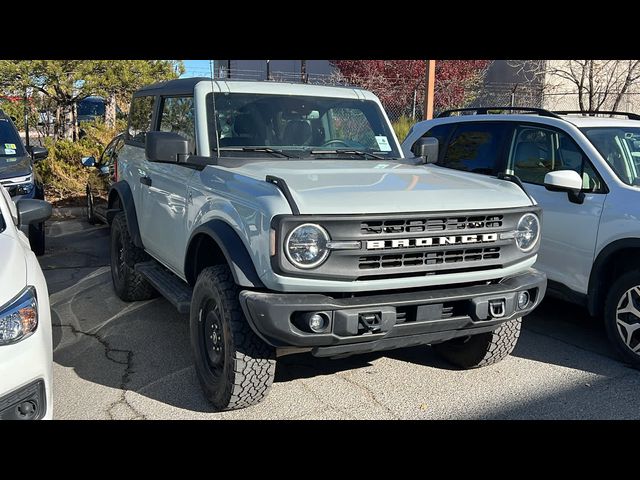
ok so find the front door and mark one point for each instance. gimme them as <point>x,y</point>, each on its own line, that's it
<point>569,229</point>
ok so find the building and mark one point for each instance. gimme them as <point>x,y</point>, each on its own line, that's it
<point>299,70</point>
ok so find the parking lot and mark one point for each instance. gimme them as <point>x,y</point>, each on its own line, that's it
<point>115,360</point>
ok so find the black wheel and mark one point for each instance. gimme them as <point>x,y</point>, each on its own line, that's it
<point>622,316</point>
<point>128,284</point>
<point>482,349</point>
<point>234,366</point>
<point>36,238</point>
<point>91,218</point>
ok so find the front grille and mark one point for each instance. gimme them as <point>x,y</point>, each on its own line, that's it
<point>372,262</point>
<point>441,224</point>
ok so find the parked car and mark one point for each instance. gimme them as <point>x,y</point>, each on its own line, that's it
<point>582,169</point>
<point>103,176</point>
<point>292,222</point>
<point>26,351</point>
<point>19,177</point>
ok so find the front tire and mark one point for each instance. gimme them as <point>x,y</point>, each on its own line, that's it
<point>482,349</point>
<point>37,238</point>
<point>235,367</point>
<point>128,284</point>
<point>622,316</point>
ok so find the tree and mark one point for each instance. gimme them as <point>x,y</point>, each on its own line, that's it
<point>395,81</point>
<point>598,84</point>
<point>66,82</point>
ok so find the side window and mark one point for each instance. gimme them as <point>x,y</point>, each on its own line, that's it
<point>536,151</point>
<point>140,118</point>
<point>441,132</point>
<point>177,115</point>
<point>476,147</point>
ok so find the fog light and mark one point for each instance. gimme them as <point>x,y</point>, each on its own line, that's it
<point>317,322</point>
<point>523,300</point>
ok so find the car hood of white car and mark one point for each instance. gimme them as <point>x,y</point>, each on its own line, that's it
<point>371,186</point>
<point>13,272</point>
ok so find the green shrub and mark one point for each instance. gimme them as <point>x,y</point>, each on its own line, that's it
<point>402,126</point>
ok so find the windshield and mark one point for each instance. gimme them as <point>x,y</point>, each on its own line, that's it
<point>10,143</point>
<point>91,107</point>
<point>301,126</point>
<point>620,147</point>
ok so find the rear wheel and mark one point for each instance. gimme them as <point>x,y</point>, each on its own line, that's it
<point>482,349</point>
<point>128,284</point>
<point>91,218</point>
<point>235,367</point>
<point>622,316</point>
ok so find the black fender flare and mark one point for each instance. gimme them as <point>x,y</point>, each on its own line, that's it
<point>233,249</point>
<point>122,190</point>
<point>594,291</point>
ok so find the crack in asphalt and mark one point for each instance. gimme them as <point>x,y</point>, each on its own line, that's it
<point>126,376</point>
<point>369,393</point>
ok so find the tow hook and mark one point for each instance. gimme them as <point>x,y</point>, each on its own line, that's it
<point>497,308</point>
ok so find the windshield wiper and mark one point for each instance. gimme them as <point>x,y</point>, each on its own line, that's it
<point>348,151</point>
<point>272,151</point>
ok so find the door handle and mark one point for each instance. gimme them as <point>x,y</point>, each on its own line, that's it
<point>145,181</point>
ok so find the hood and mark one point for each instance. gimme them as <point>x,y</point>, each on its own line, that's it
<point>363,186</point>
<point>13,274</point>
<point>11,167</point>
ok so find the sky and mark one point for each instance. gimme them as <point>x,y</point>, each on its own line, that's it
<point>196,68</point>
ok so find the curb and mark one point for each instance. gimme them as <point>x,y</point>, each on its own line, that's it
<point>64,213</point>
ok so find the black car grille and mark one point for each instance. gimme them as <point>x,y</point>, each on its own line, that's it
<point>373,262</point>
<point>441,224</point>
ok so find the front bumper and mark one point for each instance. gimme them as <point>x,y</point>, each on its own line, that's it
<point>389,320</point>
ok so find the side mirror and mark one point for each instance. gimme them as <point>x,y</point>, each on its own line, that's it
<point>166,147</point>
<point>427,148</point>
<point>563,181</point>
<point>88,161</point>
<point>32,211</point>
<point>37,153</point>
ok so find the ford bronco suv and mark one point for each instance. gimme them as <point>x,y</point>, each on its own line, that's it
<point>584,170</point>
<point>285,218</point>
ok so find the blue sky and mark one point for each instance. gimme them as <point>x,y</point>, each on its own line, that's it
<point>196,68</point>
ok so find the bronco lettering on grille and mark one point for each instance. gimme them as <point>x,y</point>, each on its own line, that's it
<point>431,241</point>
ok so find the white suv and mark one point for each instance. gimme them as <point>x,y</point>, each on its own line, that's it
<point>584,171</point>
<point>26,353</point>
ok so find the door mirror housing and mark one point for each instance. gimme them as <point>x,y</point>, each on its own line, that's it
<point>563,181</point>
<point>88,161</point>
<point>427,148</point>
<point>166,147</point>
<point>32,211</point>
<point>37,153</point>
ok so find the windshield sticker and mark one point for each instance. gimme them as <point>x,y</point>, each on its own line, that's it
<point>10,146</point>
<point>11,159</point>
<point>9,151</point>
<point>383,143</point>
<point>381,165</point>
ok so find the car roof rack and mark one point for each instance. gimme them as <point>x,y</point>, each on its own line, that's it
<point>487,110</point>
<point>593,113</point>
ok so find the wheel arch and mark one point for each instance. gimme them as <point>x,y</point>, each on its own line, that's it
<point>121,199</point>
<point>612,261</point>
<point>213,243</point>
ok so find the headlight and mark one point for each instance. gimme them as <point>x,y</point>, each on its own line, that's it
<point>527,232</point>
<point>24,188</point>
<point>19,318</point>
<point>306,246</point>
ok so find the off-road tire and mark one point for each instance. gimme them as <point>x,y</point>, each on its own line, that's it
<point>614,299</point>
<point>91,217</point>
<point>37,238</point>
<point>482,349</point>
<point>236,368</point>
<point>129,285</point>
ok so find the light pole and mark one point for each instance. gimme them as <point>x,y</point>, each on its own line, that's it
<point>429,83</point>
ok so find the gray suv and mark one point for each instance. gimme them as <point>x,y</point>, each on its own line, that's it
<point>284,218</point>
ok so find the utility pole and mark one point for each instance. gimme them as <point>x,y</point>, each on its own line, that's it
<point>228,68</point>
<point>26,118</point>
<point>429,84</point>
<point>303,70</point>
<point>268,71</point>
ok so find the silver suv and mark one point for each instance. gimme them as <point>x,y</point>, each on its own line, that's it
<point>285,218</point>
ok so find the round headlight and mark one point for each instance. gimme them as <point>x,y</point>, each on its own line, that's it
<point>527,232</point>
<point>306,246</point>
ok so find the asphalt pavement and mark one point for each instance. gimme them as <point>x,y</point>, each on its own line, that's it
<point>118,360</point>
